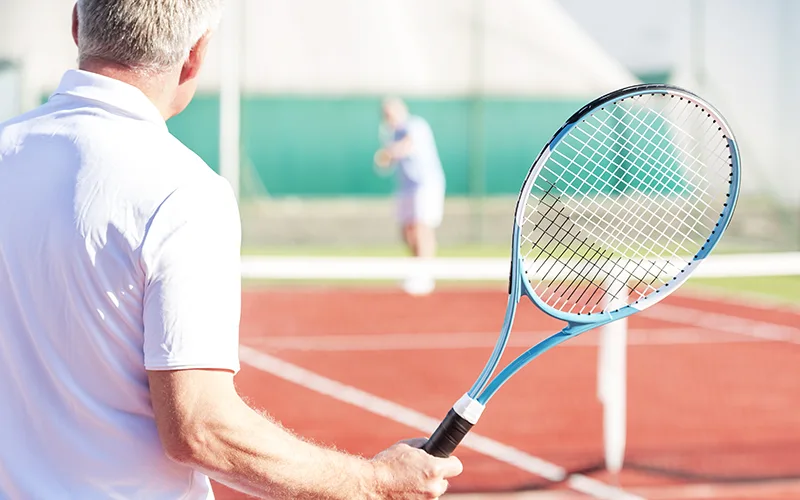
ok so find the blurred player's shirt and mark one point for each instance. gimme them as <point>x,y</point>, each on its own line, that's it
<point>422,168</point>
<point>119,253</point>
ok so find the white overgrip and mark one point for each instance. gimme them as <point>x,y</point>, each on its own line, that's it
<point>468,409</point>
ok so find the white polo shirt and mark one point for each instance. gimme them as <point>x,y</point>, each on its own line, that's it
<point>119,253</point>
<point>422,169</point>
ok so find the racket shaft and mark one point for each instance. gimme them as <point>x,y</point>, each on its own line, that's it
<point>448,435</point>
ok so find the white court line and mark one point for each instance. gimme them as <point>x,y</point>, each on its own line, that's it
<point>707,491</point>
<point>376,341</point>
<point>704,328</point>
<point>739,298</point>
<point>761,330</point>
<point>423,423</point>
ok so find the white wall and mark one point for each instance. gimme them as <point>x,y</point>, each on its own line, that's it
<point>750,51</point>
<point>522,47</point>
<point>445,47</point>
<point>645,35</point>
<point>36,33</point>
<point>751,75</point>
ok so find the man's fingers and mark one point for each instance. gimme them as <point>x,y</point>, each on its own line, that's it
<point>450,467</point>
<point>439,488</point>
<point>415,442</point>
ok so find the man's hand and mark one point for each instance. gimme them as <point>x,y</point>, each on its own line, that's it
<point>405,472</point>
<point>204,424</point>
<point>383,158</point>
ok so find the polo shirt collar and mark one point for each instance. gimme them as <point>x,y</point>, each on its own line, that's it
<point>117,94</point>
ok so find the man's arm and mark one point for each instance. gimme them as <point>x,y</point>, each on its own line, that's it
<point>191,257</point>
<point>392,150</point>
<point>402,148</point>
<point>204,423</point>
<point>385,157</point>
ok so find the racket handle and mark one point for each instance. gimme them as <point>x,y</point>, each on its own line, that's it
<point>448,435</point>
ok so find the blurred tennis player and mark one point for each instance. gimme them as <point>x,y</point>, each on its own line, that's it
<point>120,293</point>
<point>408,147</point>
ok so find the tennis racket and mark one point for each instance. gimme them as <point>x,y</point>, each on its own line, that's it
<point>619,208</point>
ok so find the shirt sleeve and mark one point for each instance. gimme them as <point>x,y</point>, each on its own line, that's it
<point>421,133</point>
<point>192,300</point>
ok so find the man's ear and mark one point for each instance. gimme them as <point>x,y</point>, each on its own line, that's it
<point>75,23</point>
<point>195,60</point>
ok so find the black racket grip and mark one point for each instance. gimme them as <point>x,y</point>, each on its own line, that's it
<point>448,435</point>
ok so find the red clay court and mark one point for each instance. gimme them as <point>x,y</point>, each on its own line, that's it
<point>712,390</point>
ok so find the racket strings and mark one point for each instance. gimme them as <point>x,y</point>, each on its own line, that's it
<point>543,248</point>
<point>675,128</point>
<point>564,246</point>
<point>607,184</point>
<point>621,222</point>
<point>669,175</point>
<point>660,147</point>
<point>710,126</point>
<point>561,265</point>
<point>638,210</point>
<point>684,216</point>
<point>624,202</point>
<point>602,274</point>
<point>652,177</point>
<point>701,145</point>
<point>694,176</point>
<point>652,214</point>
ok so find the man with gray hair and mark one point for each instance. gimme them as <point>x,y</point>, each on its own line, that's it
<point>409,148</point>
<point>120,293</point>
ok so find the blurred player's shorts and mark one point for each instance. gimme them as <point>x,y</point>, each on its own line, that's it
<point>424,204</point>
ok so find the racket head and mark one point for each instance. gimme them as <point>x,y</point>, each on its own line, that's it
<point>624,173</point>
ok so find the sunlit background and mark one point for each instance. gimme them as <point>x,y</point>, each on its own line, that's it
<point>288,110</point>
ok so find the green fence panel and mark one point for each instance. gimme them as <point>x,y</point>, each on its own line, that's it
<point>321,146</point>
<point>198,128</point>
<point>515,131</point>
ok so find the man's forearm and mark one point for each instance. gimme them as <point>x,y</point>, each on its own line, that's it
<point>252,454</point>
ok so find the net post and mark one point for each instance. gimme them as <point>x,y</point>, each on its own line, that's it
<point>611,379</point>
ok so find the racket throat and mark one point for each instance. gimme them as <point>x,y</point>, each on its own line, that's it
<point>502,341</point>
<point>577,328</point>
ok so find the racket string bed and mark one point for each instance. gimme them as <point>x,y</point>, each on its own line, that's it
<point>698,142</point>
<point>553,259</point>
<point>638,227</point>
<point>591,173</point>
<point>639,196</point>
<point>658,168</point>
<point>553,237</point>
<point>694,173</point>
<point>600,206</point>
<point>543,248</point>
<point>554,262</point>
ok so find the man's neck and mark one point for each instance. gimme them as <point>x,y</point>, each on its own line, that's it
<point>154,86</point>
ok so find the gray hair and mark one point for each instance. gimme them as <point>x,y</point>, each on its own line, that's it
<point>146,35</point>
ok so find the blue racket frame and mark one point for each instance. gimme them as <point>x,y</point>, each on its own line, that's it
<point>519,285</point>
<point>468,409</point>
